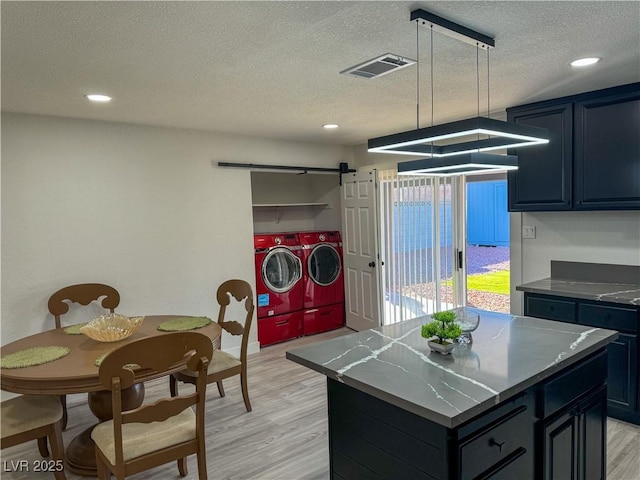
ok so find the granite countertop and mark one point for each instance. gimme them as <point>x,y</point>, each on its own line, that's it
<point>604,292</point>
<point>508,355</point>
<point>592,281</point>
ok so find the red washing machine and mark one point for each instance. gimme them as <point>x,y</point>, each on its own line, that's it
<point>323,281</point>
<point>279,287</point>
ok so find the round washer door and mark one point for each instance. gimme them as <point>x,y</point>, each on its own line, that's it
<point>324,265</point>
<point>281,269</point>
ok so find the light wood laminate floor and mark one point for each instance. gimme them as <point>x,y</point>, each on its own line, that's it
<point>285,436</point>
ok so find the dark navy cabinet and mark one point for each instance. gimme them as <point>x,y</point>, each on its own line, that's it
<point>623,391</point>
<point>607,152</point>
<point>574,442</point>
<point>543,178</point>
<point>560,452</point>
<point>592,160</point>
<point>623,385</point>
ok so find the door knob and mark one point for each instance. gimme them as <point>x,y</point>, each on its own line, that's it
<point>372,264</point>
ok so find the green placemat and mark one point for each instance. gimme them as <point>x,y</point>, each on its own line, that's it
<point>184,323</point>
<point>98,361</point>
<point>33,356</point>
<point>74,329</point>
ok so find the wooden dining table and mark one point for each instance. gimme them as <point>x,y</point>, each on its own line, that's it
<point>77,372</point>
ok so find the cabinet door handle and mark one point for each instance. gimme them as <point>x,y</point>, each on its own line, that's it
<point>494,442</point>
<point>279,324</point>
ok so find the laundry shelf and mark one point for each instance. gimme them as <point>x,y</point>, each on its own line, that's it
<point>278,206</point>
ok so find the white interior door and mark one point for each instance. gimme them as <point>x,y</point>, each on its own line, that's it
<point>360,249</point>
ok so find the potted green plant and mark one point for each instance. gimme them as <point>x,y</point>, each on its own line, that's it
<point>441,332</point>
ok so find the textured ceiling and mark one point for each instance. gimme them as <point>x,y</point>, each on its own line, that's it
<point>271,68</point>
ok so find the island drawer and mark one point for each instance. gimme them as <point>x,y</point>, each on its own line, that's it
<point>498,445</point>
<point>572,384</point>
<point>469,429</point>
<point>614,318</point>
<point>550,308</point>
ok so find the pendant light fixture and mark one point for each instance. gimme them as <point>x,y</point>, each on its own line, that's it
<point>455,148</point>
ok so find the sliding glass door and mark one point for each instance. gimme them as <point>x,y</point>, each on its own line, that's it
<point>423,233</point>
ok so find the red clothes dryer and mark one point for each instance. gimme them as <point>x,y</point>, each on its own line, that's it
<point>323,281</point>
<point>279,287</point>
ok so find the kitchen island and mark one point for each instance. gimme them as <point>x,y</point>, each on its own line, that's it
<point>527,399</point>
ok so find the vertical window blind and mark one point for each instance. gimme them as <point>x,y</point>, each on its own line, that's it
<point>417,219</point>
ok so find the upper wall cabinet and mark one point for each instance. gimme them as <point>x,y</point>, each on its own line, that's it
<point>543,178</point>
<point>592,161</point>
<point>607,152</point>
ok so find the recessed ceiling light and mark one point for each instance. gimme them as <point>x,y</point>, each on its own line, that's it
<point>329,126</point>
<point>98,98</point>
<point>584,62</point>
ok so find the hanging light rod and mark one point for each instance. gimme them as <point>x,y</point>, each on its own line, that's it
<point>452,29</point>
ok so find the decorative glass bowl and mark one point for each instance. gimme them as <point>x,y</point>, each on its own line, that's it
<point>468,322</point>
<point>111,327</point>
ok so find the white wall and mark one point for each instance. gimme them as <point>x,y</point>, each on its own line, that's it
<point>594,237</point>
<point>144,209</point>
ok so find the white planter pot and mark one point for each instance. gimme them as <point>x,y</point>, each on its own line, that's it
<point>444,349</point>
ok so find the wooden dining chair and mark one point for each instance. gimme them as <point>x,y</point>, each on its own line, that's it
<point>158,433</point>
<point>34,417</point>
<point>84,294</point>
<point>224,365</point>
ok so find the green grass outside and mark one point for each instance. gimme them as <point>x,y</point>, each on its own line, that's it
<point>495,282</point>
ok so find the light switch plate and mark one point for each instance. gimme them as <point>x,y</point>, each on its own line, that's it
<point>528,231</point>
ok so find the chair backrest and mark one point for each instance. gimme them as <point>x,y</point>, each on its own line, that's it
<point>240,290</point>
<point>84,294</point>
<point>163,354</point>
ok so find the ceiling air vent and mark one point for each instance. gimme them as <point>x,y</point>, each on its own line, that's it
<point>376,67</point>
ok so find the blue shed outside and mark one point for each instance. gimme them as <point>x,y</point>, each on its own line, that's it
<point>487,215</point>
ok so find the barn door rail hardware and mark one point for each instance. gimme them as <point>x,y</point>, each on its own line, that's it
<point>343,168</point>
